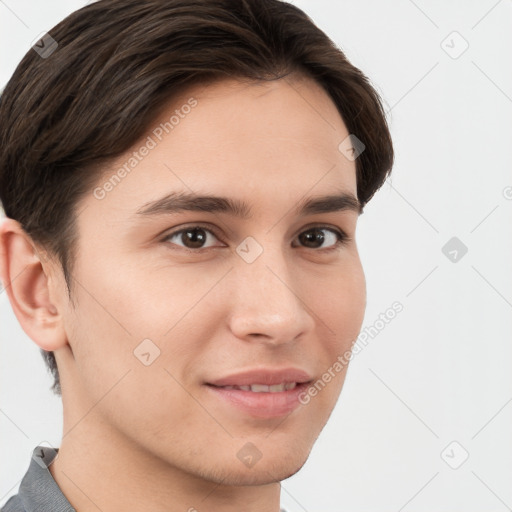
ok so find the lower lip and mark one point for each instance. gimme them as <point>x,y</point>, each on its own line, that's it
<point>262,405</point>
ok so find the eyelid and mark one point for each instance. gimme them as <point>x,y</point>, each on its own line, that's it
<point>324,225</point>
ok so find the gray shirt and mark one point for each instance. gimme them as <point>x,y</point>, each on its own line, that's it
<point>38,490</point>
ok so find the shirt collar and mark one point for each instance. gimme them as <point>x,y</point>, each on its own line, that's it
<point>38,489</point>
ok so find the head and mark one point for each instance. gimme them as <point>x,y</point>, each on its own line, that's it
<point>182,207</point>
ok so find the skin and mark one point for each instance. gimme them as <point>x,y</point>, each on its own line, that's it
<point>153,438</point>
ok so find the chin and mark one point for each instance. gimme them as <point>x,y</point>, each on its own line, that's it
<point>254,476</point>
<point>264,472</point>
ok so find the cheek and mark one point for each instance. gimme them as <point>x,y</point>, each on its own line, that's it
<point>339,307</point>
<point>103,331</point>
<point>341,304</point>
<point>152,300</point>
<point>136,397</point>
<point>123,314</point>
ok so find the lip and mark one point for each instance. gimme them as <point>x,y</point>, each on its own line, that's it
<point>265,376</point>
<point>265,404</point>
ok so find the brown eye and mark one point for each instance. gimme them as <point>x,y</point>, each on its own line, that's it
<point>314,238</point>
<point>194,237</point>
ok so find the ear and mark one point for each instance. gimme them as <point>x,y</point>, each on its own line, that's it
<point>27,286</point>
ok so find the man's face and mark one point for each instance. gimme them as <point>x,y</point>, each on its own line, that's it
<point>216,295</point>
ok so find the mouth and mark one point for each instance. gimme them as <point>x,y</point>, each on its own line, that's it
<point>263,388</point>
<point>262,393</point>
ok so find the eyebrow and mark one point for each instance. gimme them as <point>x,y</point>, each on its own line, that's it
<point>176,202</point>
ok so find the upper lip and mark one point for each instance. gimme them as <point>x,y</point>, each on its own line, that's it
<point>267,376</point>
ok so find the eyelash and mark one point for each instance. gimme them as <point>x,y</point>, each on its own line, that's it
<point>342,237</point>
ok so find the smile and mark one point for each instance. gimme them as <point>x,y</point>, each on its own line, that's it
<point>263,388</point>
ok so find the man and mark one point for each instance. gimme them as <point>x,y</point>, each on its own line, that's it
<point>182,182</point>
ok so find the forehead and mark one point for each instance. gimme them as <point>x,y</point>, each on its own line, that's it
<point>293,111</point>
<point>277,139</point>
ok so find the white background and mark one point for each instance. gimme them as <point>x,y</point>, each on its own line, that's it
<point>441,371</point>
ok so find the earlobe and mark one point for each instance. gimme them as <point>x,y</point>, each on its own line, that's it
<point>26,284</point>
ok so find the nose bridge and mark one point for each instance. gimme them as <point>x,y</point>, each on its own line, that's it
<point>266,302</point>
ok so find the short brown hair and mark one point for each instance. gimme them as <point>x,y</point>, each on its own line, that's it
<point>117,62</point>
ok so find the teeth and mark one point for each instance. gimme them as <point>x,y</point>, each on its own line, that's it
<point>263,388</point>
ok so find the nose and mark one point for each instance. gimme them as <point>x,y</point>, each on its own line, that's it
<point>268,304</point>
